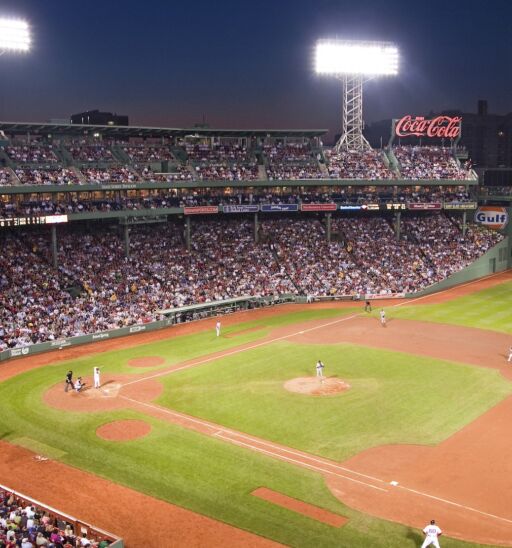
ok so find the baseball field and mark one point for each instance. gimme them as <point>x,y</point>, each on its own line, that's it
<point>233,441</point>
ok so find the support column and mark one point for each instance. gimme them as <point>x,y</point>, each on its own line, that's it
<point>256,228</point>
<point>126,241</point>
<point>187,233</point>
<point>54,246</point>
<point>464,223</point>
<point>328,218</point>
<point>398,216</point>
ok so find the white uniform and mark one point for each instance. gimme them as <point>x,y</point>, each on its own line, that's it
<point>217,328</point>
<point>432,531</point>
<point>319,369</point>
<point>382,317</point>
<point>510,354</point>
<point>97,381</point>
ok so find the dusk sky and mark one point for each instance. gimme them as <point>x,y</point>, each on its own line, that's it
<point>249,64</point>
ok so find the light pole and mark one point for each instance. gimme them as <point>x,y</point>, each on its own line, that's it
<point>354,62</point>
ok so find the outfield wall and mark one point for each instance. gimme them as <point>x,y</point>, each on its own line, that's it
<point>497,259</point>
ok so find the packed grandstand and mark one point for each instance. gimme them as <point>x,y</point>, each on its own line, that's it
<point>326,223</point>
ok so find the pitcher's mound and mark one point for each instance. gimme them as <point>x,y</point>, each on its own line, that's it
<point>312,386</point>
<point>123,430</point>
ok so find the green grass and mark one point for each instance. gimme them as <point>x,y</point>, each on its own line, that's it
<point>385,405</point>
<point>386,402</point>
<point>487,309</point>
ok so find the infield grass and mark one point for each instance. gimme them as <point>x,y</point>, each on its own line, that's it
<point>394,397</point>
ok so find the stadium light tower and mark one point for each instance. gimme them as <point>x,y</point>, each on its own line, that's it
<point>354,62</point>
<point>14,35</point>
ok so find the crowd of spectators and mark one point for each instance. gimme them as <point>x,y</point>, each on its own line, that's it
<point>24,525</point>
<point>292,256</point>
<point>5,176</point>
<point>290,152</point>
<point>32,153</point>
<point>51,176</point>
<point>283,171</point>
<point>141,154</point>
<point>226,172</point>
<point>118,174</point>
<point>428,162</point>
<point>357,165</point>
<point>85,152</point>
<point>219,153</point>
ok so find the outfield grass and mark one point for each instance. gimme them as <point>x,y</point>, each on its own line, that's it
<point>487,309</point>
<point>394,397</point>
<point>215,478</point>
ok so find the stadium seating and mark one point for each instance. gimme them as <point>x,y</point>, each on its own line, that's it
<point>224,261</point>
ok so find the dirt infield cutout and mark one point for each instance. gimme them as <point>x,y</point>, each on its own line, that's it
<point>124,430</point>
<point>314,386</point>
<point>314,512</point>
<point>146,361</point>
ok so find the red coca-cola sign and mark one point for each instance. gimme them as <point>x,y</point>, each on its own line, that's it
<point>440,126</point>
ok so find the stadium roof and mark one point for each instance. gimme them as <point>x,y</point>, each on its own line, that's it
<point>142,131</point>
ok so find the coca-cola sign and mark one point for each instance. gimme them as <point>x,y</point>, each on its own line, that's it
<point>440,126</point>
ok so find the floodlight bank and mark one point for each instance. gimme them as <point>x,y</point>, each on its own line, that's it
<point>14,35</point>
<point>351,57</point>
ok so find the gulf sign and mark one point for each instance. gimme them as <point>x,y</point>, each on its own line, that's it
<point>494,217</point>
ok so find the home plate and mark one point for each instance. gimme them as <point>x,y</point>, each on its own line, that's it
<point>393,483</point>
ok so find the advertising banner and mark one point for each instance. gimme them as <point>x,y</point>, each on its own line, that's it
<point>200,210</point>
<point>393,207</point>
<point>460,205</point>
<point>440,126</point>
<point>417,206</point>
<point>370,207</point>
<point>318,207</point>
<point>271,208</point>
<point>350,207</point>
<point>494,217</point>
<point>240,208</point>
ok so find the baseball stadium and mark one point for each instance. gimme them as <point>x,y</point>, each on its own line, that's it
<point>245,337</point>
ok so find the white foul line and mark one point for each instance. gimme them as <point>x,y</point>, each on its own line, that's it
<point>264,343</point>
<point>237,351</point>
<point>295,461</point>
<point>464,507</point>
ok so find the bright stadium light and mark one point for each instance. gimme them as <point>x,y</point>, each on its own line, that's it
<point>368,58</point>
<point>14,35</point>
<point>354,62</point>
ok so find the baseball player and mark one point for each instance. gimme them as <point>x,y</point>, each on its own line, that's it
<point>382,317</point>
<point>320,370</point>
<point>79,384</point>
<point>510,354</point>
<point>217,328</point>
<point>96,374</point>
<point>432,532</point>
<point>367,306</point>
<point>69,381</point>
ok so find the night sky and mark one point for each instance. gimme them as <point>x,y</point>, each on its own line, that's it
<point>249,64</point>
